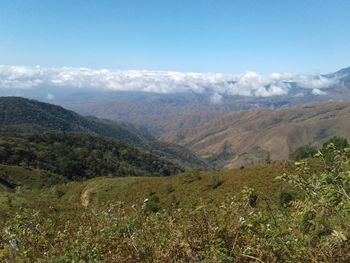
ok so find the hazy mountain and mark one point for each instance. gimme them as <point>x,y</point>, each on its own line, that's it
<point>161,102</point>
<point>166,112</point>
<point>248,137</point>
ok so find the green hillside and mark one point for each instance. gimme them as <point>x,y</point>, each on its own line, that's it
<point>80,156</point>
<point>242,215</point>
<point>19,115</point>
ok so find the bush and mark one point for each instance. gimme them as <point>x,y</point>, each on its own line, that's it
<point>332,148</point>
<point>304,152</point>
<point>285,199</point>
<point>152,204</point>
<point>191,177</point>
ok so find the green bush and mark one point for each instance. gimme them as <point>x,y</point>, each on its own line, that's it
<point>332,148</point>
<point>285,199</point>
<point>304,152</point>
<point>152,204</point>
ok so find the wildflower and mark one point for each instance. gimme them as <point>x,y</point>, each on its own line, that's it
<point>7,230</point>
<point>14,244</point>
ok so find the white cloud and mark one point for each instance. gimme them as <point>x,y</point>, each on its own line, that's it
<point>314,82</point>
<point>247,84</point>
<point>318,92</point>
<point>216,98</point>
<point>49,96</point>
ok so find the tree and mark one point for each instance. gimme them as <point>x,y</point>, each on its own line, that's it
<point>268,158</point>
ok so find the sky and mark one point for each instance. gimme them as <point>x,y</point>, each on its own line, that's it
<point>220,36</point>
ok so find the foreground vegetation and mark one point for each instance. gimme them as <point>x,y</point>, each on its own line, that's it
<point>269,213</point>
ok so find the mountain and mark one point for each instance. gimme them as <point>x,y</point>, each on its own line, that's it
<point>342,73</point>
<point>24,115</point>
<point>161,113</point>
<point>249,137</point>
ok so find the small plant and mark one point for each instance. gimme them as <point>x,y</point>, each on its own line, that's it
<point>169,188</point>
<point>191,177</point>
<point>151,204</point>
<point>285,199</point>
<point>250,195</point>
<point>215,182</point>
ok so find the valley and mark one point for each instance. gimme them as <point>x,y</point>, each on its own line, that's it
<point>174,131</point>
<point>143,199</point>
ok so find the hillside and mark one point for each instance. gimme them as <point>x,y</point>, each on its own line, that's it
<point>15,177</point>
<point>188,188</point>
<point>248,137</point>
<point>78,156</point>
<point>23,115</point>
<point>206,216</point>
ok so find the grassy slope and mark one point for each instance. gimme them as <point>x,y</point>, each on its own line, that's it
<point>20,186</point>
<point>134,190</point>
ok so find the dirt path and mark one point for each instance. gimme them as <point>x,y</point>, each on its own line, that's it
<point>85,197</point>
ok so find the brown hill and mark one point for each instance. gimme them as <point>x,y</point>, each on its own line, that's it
<point>248,137</point>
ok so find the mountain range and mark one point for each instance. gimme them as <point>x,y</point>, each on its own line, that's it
<point>250,137</point>
<point>164,112</point>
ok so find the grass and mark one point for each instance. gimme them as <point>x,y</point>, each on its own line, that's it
<point>36,193</point>
<point>28,177</point>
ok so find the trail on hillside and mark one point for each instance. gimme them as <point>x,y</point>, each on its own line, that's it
<point>85,197</point>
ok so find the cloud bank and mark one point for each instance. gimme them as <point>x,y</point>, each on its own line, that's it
<point>247,84</point>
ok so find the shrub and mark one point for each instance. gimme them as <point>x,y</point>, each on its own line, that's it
<point>191,177</point>
<point>152,204</point>
<point>304,152</point>
<point>333,148</point>
<point>285,199</point>
<point>169,188</point>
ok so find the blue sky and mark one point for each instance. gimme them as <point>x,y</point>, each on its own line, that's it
<point>305,36</point>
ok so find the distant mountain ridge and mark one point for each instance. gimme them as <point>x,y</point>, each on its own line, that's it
<point>24,115</point>
<point>162,113</point>
<point>248,137</point>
